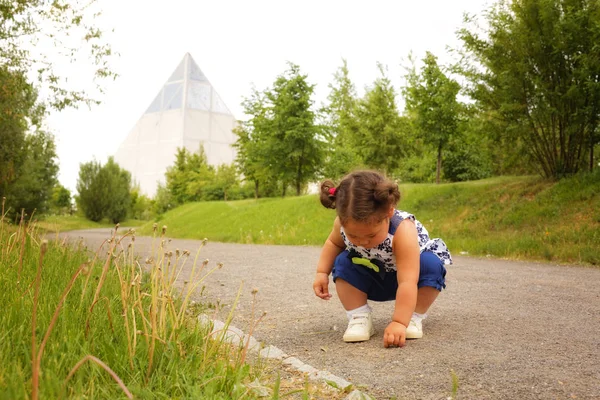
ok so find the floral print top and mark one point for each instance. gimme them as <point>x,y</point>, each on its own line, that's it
<point>383,255</point>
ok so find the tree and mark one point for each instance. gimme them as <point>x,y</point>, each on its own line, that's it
<point>342,125</point>
<point>536,69</point>
<point>91,191</point>
<point>379,137</point>
<point>252,135</point>
<point>468,156</point>
<point>431,100</point>
<point>295,144</point>
<point>187,179</point>
<point>36,35</point>
<point>117,188</point>
<point>281,142</point>
<point>19,113</point>
<point>61,199</point>
<point>35,177</point>
<point>142,207</point>
<point>104,191</point>
<point>226,178</point>
<point>163,200</point>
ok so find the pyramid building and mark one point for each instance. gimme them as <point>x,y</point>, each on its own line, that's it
<point>187,112</point>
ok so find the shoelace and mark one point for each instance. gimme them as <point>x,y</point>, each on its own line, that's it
<point>358,320</point>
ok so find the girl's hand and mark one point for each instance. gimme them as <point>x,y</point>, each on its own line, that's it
<point>394,335</point>
<point>321,285</point>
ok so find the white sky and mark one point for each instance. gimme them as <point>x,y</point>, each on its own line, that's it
<point>240,43</point>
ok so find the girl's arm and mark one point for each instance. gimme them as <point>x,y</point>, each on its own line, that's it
<point>333,246</point>
<point>407,252</point>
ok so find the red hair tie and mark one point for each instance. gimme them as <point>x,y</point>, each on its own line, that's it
<point>332,191</point>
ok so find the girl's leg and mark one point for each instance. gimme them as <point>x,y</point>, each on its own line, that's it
<point>351,297</point>
<point>360,324</point>
<point>431,282</point>
<point>425,298</point>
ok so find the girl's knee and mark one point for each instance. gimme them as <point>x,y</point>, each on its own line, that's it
<point>432,271</point>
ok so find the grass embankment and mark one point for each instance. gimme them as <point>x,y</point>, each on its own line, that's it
<point>511,217</point>
<point>111,328</point>
<point>63,223</point>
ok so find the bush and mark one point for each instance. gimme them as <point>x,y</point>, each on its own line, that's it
<point>104,191</point>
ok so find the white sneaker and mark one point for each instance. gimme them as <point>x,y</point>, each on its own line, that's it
<point>360,328</point>
<point>414,329</point>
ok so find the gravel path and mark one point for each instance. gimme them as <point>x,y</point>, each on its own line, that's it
<point>507,330</point>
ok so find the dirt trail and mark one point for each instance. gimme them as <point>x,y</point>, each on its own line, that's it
<point>508,330</point>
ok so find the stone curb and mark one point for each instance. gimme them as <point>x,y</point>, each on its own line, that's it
<point>235,336</point>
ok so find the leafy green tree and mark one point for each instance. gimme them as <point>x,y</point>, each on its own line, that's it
<point>142,206</point>
<point>342,125</point>
<point>295,143</point>
<point>189,177</point>
<point>281,143</point>
<point>379,139</point>
<point>200,175</point>
<point>252,135</point>
<point>37,35</point>
<point>535,67</point>
<point>117,190</point>
<point>163,200</point>
<point>226,178</point>
<point>61,199</point>
<point>19,113</point>
<point>35,177</point>
<point>469,155</point>
<point>91,193</point>
<point>104,191</point>
<point>431,99</point>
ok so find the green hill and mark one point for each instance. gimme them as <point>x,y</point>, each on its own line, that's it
<point>512,217</point>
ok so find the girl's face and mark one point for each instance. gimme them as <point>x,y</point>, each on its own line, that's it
<point>367,234</point>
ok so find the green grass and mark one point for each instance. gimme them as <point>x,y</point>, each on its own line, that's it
<point>509,217</point>
<point>291,220</point>
<point>63,223</point>
<point>131,322</point>
<point>74,325</point>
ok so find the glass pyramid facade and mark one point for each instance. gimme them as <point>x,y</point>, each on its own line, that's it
<point>189,87</point>
<point>186,112</point>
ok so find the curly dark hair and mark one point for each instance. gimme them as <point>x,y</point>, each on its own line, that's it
<point>363,196</point>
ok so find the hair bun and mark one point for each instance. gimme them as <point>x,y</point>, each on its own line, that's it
<point>328,194</point>
<point>386,192</point>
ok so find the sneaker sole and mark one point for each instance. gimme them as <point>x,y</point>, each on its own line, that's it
<point>352,339</point>
<point>414,336</point>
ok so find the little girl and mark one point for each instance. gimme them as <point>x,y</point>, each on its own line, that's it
<point>379,253</point>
